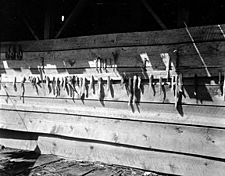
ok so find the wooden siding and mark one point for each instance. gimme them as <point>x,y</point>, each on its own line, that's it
<point>149,133</point>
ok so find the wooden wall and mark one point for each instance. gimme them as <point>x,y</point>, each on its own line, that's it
<point>150,132</point>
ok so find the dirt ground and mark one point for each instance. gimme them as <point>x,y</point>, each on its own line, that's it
<point>28,163</point>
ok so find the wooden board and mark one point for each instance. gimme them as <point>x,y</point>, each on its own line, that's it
<point>200,34</point>
<point>149,134</point>
<point>208,63</point>
<point>202,141</point>
<point>187,114</point>
<point>169,163</point>
<point>18,140</point>
<point>206,94</point>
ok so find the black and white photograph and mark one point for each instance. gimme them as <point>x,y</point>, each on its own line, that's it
<point>112,88</point>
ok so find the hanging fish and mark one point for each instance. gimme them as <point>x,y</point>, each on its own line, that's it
<point>134,89</point>
<point>139,83</point>
<point>91,85</point>
<point>66,85</point>
<point>98,64</point>
<point>130,91</point>
<point>23,88</point>
<point>176,91</point>
<point>34,83</point>
<point>220,83</point>
<point>48,84</point>
<point>108,84</point>
<point>62,82</point>
<point>83,88</point>
<point>57,87</point>
<point>39,81</point>
<point>151,84</point>
<point>160,85</point>
<point>54,85</point>
<point>172,83</point>
<point>105,65</point>
<point>41,74</point>
<point>99,88</point>
<point>73,82</point>
<point>80,85</point>
<point>180,83</point>
<point>14,85</point>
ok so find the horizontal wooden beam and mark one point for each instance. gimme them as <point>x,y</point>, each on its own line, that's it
<point>168,163</point>
<point>166,37</point>
<point>167,137</point>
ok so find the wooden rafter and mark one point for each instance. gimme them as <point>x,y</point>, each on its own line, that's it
<point>73,15</point>
<point>155,16</point>
<point>30,28</point>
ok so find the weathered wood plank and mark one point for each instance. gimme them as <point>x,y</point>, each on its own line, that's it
<point>200,34</point>
<point>212,116</point>
<point>202,141</point>
<point>83,57</point>
<point>206,94</point>
<point>16,139</point>
<point>79,61</point>
<point>169,163</point>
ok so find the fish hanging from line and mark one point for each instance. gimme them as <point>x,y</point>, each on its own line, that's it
<point>129,90</point>
<point>23,88</point>
<point>134,89</point>
<point>91,85</point>
<point>14,84</point>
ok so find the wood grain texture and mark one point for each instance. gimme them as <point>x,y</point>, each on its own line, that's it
<point>189,114</point>
<point>129,61</point>
<point>206,94</point>
<point>169,163</point>
<point>200,34</point>
<point>18,140</point>
<point>186,139</point>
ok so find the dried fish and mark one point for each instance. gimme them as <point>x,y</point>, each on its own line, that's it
<point>91,85</point>
<point>99,88</point>
<point>176,91</point>
<point>108,84</point>
<point>134,89</point>
<point>57,87</point>
<point>151,84</point>
<point>130,91</point>
<point>14,85</point>
<point>160,85</point>
<point>83,88</point>
<point>23,88</point>
<point>54,85</point>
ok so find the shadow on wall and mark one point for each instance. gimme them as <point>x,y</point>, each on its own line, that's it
<point>16,161</point>
<point>125,62</point>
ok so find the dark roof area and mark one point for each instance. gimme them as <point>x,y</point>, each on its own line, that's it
<point>41,19</point>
